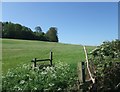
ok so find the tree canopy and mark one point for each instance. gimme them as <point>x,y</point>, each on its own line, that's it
<point>17,31</point>
<point>38,29</point>
<point>52,34</point>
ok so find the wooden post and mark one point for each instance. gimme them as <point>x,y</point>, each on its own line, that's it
<point>35,62</point>
<point>83,72</point>
<point>51,58</point>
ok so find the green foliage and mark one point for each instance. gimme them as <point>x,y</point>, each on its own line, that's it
<point>17,31</point>
<point>105,58</point>
<point>52,34</point>
<point>108,49</point>
<point>38,29</point>
<point>111,76</point>
<point>58,78</point>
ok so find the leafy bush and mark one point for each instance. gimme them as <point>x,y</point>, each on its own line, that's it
<point>111,76</point>
<point>106,58</point>
<point>56,78</point>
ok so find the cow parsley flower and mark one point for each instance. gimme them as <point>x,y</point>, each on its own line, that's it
<point>22,82</point>
<point>51,84</point>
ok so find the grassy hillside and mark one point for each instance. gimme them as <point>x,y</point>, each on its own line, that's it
<point>16,52</point>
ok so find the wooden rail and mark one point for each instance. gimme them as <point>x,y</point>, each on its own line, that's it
<point>35,60</point>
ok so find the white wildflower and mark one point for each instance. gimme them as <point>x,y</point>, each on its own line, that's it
<point>46,90</point>
<point>30,79</point>
<point>52,68</point>
<point>16,75</point>
<point>25,66</point>
<point>53,75</point>
<point>19,88</point>
<point>35,88</point>
<point>22,82</point>
<point>43,73</point>
<point>44,68</point>
<point>15,87</point>
<point>48,68</point>
<point>27,75</point>
<point>51,84</point>
<point>59,89</point>
<point>37,68</point>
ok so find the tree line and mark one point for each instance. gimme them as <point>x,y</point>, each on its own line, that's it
<point>17,31</point>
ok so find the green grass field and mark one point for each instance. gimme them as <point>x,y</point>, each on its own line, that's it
<point>16,52</point>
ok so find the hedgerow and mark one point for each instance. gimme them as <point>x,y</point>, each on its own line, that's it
<point>106,58</point>
<point>57,78</point>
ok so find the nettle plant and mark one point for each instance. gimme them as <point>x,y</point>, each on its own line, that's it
<point>48,79</point>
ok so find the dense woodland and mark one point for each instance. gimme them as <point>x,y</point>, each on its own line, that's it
<point>17,31</point>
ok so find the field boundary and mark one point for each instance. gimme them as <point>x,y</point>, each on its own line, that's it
<point>35,60</point>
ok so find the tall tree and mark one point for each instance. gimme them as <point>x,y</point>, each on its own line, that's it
<point>52,34</point>
<point>18,33</point>
<point>8,30</point>
<point>38,29</point>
